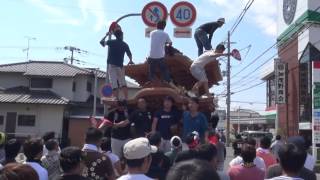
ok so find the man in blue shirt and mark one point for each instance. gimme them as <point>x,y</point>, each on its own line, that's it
<point>193,120</point>
<point>117,48</point>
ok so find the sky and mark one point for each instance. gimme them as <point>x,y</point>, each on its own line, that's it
<point>82,23</point>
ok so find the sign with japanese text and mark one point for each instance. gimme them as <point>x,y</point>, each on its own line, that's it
<point>281,81</point>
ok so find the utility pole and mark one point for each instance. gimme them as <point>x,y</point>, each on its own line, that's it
<point>73,49</point>
<point>28,48</point>
<point>228,90</point>
<point>95,71</point>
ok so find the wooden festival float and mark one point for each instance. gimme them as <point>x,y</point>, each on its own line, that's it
<point>155,91</point>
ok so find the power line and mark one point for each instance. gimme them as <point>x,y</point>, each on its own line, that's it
<point>240,17</point>
<point>269,59</point>
<point>268,49</point>
<point>248,88</point>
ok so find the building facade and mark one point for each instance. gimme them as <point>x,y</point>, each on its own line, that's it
<point>298,45</point>
<point>41,96</point>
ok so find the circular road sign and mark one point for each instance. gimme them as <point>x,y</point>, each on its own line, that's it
<point>106,90</point>
<point>183,14</point>
<point>153,12</point>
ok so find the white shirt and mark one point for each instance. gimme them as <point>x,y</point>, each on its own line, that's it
<point>113,158</point>
<point>91,147</point>
<point>310,162</point>
<point>204,59</point>
<point>134,177</point>
<point>42,172</point>
<point>285,178</point>
<point>258,161</point>
<point>158,38</point>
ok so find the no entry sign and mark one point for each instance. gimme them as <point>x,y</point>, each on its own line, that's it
<point>183,14</point>
<point>153,12</point>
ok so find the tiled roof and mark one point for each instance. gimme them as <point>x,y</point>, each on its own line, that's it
<point>44,68</point>
<point>26,96</point>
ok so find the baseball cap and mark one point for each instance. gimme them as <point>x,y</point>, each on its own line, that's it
<point>221,20</point>
<point>138,148</point>
<point>175,142</point>
<point>298,141</point>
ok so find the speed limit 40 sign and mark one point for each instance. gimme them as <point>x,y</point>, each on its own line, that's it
<point>183,14</point>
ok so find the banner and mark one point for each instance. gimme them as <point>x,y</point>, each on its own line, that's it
<point>281,81</point>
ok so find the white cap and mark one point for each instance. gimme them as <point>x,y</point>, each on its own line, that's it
<point>171,142</point>
<point>138,148</point>
<point>221,20</point>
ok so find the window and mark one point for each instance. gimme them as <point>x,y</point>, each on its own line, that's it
<point>41,83</point>
<point>1,120</point>
<point>26,120</point>
<point>89,86</point>
<point>73,86</point>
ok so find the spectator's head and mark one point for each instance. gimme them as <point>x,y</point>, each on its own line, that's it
<point>48,135</point>
<point>122,105</point>
<point>299,141</point>
<point>193,140</point>
<point>142,104</point>
<point>20,172</point>
<point>221,21</point>
<point>155,139</point>
<point>192,170</point>
<point>176,143</point>
<point>93,136</point>
<point>70,160</point>
<point>248,153</point>
<point>193,104</point>
<point>157,158</point>
<point>137,153</point>
<point>186,155</point>
<point>118,34</point>
<point>220,48</point>
<point>32,149</point>
<point>52,145</point>
<point>105,144</point>
<point>278,137</point>
<point>168,102</point>
<point>292,158</point>
<point>265,142</point>
<point>161,24</point>
<point>12,148</point>
<point>208,152</point>
<point>251,141</point>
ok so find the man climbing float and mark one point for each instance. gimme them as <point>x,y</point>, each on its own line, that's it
<point>202,32</point>
<point>197,69</point>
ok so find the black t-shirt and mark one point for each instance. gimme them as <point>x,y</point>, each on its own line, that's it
<point>142,121</point>
<point>117,48</point>
<point>209,27</point>
<point>165,121</point>
<point>72,177</point>
<point>123,132</point>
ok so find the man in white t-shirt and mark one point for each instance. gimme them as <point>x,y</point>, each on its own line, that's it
<point>137,153</point>
<point>197,68</point>
<point>159,39</point>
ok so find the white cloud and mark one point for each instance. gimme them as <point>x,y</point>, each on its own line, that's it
<point>87,7</point>
<point>95,8</point>
<point>58,16</point>
<point>262,12</point>
<point>70,21</point>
